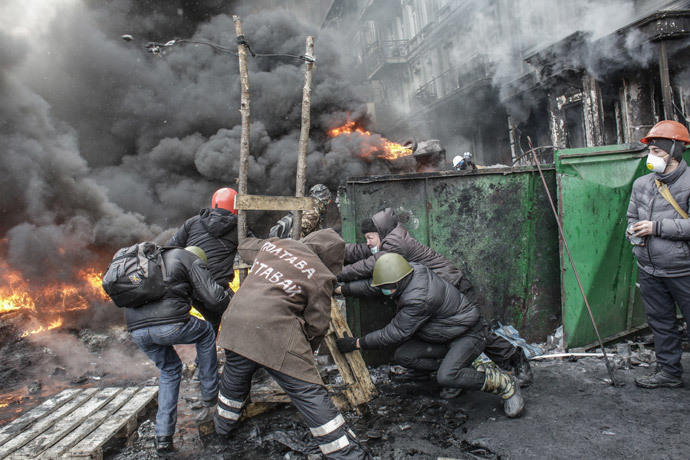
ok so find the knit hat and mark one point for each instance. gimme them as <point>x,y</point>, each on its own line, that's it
<point>368,225</point>
<point>671,146</point>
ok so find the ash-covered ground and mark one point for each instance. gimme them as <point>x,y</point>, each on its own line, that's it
<point>571,412</point>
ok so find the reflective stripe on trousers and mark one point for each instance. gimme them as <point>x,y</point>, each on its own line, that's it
<point>326,424</point>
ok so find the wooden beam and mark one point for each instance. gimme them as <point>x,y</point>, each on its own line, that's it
<point>301,178</point>
<point>352,368</point>
<point>244,136</point>
<point>273,203</point>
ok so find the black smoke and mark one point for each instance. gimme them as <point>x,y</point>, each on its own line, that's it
<point>104,144</point>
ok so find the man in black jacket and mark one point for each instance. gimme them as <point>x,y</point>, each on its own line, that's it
<point>156,326</point>
<point>435,328</point>
<point>385,234</point>
<point>215,231</point>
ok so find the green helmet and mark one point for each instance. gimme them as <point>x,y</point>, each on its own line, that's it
<point>390,268</point>
<point>197,251</point>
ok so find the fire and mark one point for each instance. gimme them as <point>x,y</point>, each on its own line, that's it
<point>53,325</point>
<point>46,302</point>
<point>374,145</point>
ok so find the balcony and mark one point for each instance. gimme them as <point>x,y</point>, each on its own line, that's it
<point>385,55</point>
<point>458,79</point>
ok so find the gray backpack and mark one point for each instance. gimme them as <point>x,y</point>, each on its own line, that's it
<point>136,275</point>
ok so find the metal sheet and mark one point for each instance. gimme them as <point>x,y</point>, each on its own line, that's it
<point>493,224</point>
<point>594,186</point>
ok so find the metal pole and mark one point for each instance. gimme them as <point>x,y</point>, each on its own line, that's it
<point>572,263</point>
<point>244,136</point>
<point>666,93</point>
<point>304,135</point>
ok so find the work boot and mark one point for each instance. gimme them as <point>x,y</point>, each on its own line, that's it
<point>204,419</point>
<point>164,445</point>
<point>498,382</point>
<point>450,393</point>
<point>521,368</point>
<point>658,379</point>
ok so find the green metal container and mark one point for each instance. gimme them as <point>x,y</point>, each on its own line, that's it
<point>495,224</point>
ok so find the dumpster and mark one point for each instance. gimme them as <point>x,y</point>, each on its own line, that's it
<point>495,224</point>
<point>594,186</point>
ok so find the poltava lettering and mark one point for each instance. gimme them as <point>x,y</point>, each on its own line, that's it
<point>299,264</point>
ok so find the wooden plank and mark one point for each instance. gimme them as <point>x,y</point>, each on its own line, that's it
<point>21,423</point>
<point>67,424</point>
<point>93,443</point>
<point>273,203</point>
<point>90,424</point>
<point>355,360</point>
<point>351,365</point>
<point>45,423</point>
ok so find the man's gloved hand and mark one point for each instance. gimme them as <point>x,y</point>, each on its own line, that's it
<point>346,344</point>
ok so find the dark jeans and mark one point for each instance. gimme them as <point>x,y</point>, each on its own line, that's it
<point>326,424</point>
<point>452,360</point>
<point>659,297</point>
<point>157,342</point>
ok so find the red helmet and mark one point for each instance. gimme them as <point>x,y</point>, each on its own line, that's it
<point>224,198</point>
<point>667,129</point>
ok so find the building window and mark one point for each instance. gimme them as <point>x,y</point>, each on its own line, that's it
<point>574,126</point>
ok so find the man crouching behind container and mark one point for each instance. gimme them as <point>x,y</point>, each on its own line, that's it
<point>276,320</point>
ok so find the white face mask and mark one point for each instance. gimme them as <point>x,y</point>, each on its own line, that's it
<point>374,250</point>
<point>656,164</point>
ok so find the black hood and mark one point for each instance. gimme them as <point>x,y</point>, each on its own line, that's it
<point>218,221</point>
<point>385,222</point>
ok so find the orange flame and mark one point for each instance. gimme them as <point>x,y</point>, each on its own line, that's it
<point>47,302</point>
<point>52,325</point>
<point>384,149</point>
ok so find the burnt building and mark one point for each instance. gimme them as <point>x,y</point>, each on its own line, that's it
<point>486,76</point>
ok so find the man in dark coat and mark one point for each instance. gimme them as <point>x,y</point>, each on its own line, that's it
<point>156,326</point>
<point>385,234</point>
<point>658,225</point>
<point>215,231</point>
<point>275,321</point>
<point>435,328</point>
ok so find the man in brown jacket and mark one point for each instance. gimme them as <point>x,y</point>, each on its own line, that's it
<point>276,320</point>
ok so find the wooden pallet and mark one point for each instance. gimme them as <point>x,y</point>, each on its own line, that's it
<point>75,424</point>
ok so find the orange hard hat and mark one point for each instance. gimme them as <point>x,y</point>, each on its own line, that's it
<point>667,129</point>
<point>224,198</point>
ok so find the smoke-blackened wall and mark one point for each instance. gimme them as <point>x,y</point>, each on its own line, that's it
<point>104,144</point>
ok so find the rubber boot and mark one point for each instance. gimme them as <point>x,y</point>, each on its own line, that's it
<point>498,382</point>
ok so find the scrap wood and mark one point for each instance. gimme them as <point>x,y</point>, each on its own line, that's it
<point>568,355</point>
<point>354,371</point>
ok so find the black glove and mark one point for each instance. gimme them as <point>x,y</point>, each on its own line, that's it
<point>346,344</point>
